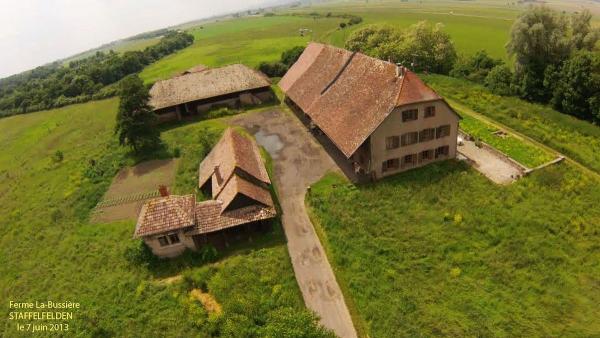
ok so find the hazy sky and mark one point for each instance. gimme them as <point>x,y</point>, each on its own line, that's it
<point>35,32</point>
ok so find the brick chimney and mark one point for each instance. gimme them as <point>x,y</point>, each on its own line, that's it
<point>218,175</point>
<point>163,190</point>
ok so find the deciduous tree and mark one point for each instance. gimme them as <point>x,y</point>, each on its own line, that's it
<point>135,120</point>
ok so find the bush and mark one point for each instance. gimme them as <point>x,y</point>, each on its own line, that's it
<point>141,255</point>
<point>58,156</point>
<point>499,80</point>
<point>342,25</point>
<point>355,20</point>
<point>290,56</point>
<point>273,69</point>
<point>476,67</point>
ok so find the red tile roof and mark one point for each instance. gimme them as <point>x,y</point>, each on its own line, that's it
<point>238,185</point>
<point>210,219</point>
<point>347,95</point>
<point>165,214</point>
<point>233,150</point>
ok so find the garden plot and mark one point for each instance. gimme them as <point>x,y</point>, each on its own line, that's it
<point>499,155</point>
<point>131,187</point>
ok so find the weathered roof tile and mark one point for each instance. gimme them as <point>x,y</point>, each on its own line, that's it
<point>199,83</point>
<point>347,95</point>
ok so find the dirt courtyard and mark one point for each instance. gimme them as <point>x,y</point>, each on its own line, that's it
<point>131,187</point>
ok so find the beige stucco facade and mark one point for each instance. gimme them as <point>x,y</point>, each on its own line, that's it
<point>170,250</point>
<point>394,126</point>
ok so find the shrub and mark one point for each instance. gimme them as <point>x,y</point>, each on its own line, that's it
<point>342,25</point>
<point>290,56</point>
<point>475,67</point>
<point>58,156</point>
<point>273,69</point>
<point>141,255</point>
<point>355,20</point>
<point>499,79</point>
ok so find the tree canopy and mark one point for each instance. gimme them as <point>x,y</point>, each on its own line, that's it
<point>421,47</point>
<point>543,38</point>
<point>135,120</point>
<point>57,85</point>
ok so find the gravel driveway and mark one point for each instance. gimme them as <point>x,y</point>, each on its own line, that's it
<point>298,162</point>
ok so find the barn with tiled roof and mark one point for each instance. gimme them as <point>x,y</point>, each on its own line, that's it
<point>200,88</point>
<point>370,110</point>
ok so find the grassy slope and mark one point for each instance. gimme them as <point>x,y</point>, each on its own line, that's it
<point>49,252</point>
<point>575,138</point>
<point>443,251</point>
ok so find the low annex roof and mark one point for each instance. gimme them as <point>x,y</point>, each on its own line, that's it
<point>165,214</point>
<point>348,94</point>
<point>201,83</point>
<point>209,217</point>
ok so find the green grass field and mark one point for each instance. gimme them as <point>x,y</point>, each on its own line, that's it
<point>251,40</point>
<point>575,138</point>
<point>443,251</point>
<point>50,252</point>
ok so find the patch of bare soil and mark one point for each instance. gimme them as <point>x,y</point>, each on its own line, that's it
<point>146,176</point>
<point>131,187</point>
<point>208,301</point>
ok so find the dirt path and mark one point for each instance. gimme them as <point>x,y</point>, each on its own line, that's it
<point>298,162</point>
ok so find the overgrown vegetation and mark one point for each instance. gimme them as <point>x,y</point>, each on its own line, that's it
<point>575,138</point>
<point>122,291</point>
<point>82,80</point>
<point>421,47</point>
<point>475,67</point>
<point>279,68</point>
<point>442,251</point>
<point>557,60</point>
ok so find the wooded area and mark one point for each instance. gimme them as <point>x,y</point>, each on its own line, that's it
<point>57,85</point>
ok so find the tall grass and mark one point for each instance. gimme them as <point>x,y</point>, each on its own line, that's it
<point>442,251</point>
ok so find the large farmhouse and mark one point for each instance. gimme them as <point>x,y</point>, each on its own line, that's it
<point>199,89</point>
<point>380,116</point>
<point>235,176</point>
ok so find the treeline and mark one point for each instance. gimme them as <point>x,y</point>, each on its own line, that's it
<point>557,62</point>
<point>56,85</point>
<point>556,58</point>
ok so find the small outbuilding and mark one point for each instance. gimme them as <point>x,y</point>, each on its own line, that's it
<point>234,175</point>
<point>200,88</point>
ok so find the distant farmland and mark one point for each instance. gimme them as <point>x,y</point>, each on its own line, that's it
<point>251,40</point>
